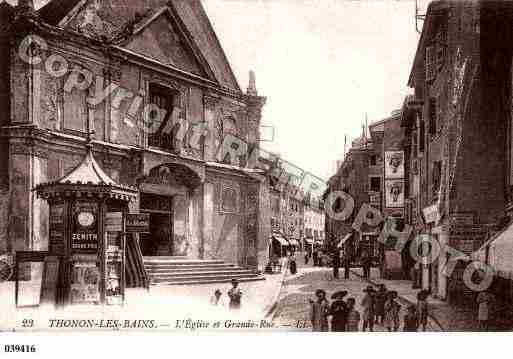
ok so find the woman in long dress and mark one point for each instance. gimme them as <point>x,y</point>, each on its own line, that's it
<point>319,311</point>
<point>485,301</point>
<point>292,264</point>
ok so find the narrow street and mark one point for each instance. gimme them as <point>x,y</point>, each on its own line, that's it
<point>292,312</point>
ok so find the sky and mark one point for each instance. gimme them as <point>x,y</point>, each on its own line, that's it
<point>324,65</point>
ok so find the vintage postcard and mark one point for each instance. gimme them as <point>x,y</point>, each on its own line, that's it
<point>255,165</point>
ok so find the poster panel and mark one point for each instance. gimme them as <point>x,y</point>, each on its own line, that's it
<point>394,193</point>
<point>84,236</point>
<point>85,286</point>
<point>394,164</point>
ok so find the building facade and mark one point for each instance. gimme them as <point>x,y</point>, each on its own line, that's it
<point>314,219</point>
<point>359,177</point>
<point>172,102</point>
<point>389,186</point>
<point>458,130</point>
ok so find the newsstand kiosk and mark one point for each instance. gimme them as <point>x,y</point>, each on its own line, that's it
<point>85,262</point>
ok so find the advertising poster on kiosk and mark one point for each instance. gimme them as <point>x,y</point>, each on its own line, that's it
<point>85,283</point>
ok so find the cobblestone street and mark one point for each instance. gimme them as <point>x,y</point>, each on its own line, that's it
<point>292,312</point>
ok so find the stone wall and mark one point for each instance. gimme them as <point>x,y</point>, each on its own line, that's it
<point>226,242</point>
<point>4,119</point>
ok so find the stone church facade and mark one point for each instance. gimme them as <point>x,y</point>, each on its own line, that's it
<point>152,80</point>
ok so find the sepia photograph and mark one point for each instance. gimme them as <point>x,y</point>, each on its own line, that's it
<point>270,166</point>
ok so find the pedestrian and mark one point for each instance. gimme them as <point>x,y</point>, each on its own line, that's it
<point>292,264</point>
<point>367,304</point>
<point>217,299</point>
<point>235,295</point>
<point>411,321</point>
<point>366,265</point>
<point>347,265</point>
<point>422,308</point>
<point>353,316</point>
<point>485,301</point>
<point>315,257</point>
<point>336,263</point>
<point>307,257</point>
<point>338,312</point>
<point>379,303</point>
<point>392,309</point>
<point>415,275</point>
<point>319,311</point>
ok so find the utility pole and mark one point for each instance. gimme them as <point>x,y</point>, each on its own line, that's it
<point>418,17</point>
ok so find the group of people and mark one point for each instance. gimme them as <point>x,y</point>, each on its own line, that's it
<point>379,306</point>
<point>234,296</point>
<point>315,255</point>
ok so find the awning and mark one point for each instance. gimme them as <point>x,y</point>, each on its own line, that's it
<point>278,237</point>
<point>294,242</point>
<point>343,240</point>
<point>500,252</point>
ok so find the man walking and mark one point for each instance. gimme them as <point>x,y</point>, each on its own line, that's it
<point>336,263</point>
<point>315,257</point>
<point>366,265</point>
<point>347,265</point>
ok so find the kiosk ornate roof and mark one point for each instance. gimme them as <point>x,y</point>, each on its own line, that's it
<point>86,179</point>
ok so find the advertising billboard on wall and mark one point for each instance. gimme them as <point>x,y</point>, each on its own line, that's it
<point>394,164</point>
<point>394,193</point>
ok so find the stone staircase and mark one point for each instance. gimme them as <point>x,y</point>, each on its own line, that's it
<point>164,270</point>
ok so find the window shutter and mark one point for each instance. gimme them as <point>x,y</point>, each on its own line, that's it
<point>430,63</point>
<point>441,41</point>
<point>433,114</point>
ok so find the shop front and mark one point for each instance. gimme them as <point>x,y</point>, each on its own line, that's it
<point>279,245</point>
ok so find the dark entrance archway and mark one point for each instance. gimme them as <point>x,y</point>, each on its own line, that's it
<point>165,196</point>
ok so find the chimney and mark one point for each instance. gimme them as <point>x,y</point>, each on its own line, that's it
<point>252,84</point>
<point>26,4</point>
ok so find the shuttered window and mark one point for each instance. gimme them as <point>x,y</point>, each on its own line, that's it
<point>422,134</point>
<point>430,63</point>
<point>433,115</point>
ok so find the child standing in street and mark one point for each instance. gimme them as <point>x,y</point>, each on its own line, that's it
<point>235,295</point>
<point>379,303</point>
<point>353,316</point>
<point>392,309</point>
<point>411,322</point>
<point>422,308</point>
<point>217,299</point>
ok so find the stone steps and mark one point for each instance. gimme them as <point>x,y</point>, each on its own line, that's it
<point>182,271</point>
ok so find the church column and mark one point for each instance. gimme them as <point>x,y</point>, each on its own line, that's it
<point>209,105</point>
<point>196,223</point>
<point>208,213</point>
<point>28,215</point>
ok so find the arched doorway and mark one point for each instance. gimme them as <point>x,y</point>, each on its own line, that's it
<point>166,194</point>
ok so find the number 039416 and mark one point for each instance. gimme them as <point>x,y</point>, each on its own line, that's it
<point>19,348</point>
